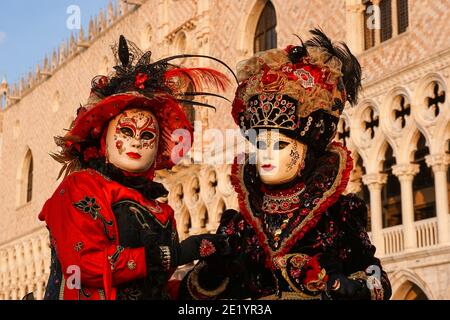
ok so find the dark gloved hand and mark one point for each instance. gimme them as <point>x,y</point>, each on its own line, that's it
<point>201,247</point>
<point>219,267</point>
<point>193,248</point>
<point>342,288</point>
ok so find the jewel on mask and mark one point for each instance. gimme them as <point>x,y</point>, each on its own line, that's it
<point>119,145</point>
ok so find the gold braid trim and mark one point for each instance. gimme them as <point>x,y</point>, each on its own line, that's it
<point>290,296</point>
<point>196,291</point>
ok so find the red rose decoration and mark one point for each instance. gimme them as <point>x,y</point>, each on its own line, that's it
<point>140,80</point>
<point>268,78</point>
<point>272,81</point>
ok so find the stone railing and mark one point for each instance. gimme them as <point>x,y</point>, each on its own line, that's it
<point>426,233</point>
<point>24,266</point>
<point>393,239</point>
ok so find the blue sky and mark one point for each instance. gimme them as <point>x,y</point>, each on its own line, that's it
<point>29,29</point>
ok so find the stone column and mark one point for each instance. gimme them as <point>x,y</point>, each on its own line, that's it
<point>375,182</point>
<point>439,163</point>
<point>355,25</point>
<point>394,18</point>
<point>405,174</point>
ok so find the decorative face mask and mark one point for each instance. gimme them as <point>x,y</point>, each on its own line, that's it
<point>132,140</point>
<point>279,158</point>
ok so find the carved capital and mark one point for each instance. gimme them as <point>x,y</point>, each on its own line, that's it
<point>375,181</point>
<point>405,171</point>
<point>438,162</point>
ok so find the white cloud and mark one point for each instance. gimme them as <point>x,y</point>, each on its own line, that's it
<point>2,37</point>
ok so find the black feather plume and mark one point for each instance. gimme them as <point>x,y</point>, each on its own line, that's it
<point>196,103</point>
<point>124,53</point>
<point>209,94</point>
<point>351,69</point>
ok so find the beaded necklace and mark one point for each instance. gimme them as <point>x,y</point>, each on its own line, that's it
<point>280,204</point>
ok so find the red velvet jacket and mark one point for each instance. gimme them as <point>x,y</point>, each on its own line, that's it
<point>84,234</point>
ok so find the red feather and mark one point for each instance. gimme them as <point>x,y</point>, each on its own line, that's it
<point>200,78</point>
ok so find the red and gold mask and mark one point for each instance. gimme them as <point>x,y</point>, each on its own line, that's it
<point>132,140</point>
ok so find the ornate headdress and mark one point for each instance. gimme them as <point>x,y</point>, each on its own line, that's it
<point>160,87</point>
<point>300,91</point>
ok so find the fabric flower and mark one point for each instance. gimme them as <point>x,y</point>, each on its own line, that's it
<point>206,248</point>
<point>273,81</point>
<point>316,277</point>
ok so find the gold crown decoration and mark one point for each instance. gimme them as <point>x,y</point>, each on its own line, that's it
<point>271,111</point>
<point>314,81</point>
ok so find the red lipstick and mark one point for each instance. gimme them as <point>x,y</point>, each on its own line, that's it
<point>134,155</point>
<point>268,167</point>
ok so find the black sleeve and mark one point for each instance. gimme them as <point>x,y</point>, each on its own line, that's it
<point>356,250</point>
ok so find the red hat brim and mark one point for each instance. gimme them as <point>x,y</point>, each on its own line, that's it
<point>172,120</point>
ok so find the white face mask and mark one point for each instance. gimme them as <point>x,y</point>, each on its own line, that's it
<point>279,158</point>
<point>132,140</point>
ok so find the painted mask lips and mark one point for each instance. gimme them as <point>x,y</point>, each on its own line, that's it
<point>268,167</point>
<point>134,155</point>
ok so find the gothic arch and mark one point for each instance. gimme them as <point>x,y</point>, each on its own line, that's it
<point>22,178</point>
<point>403,280</point>
<point>176,196</point>
<point>192,192</point>
<point>56,101</point>
<point>202,219</point>
<point>408,150</point>
<point>247,26</point>
<point>181,43</point>
<point>147,37</point>
<point>183,222</point>
<point>209,181</point>
<point>439,146</point>
<point>224,181</point>
<point>216,213</point>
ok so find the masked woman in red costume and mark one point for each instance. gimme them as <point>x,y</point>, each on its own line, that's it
<point>110,236</point>
<point>297,236</point>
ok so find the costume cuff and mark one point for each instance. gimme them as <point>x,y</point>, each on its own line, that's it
<point>199,293</point>
<point>127,264</point>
